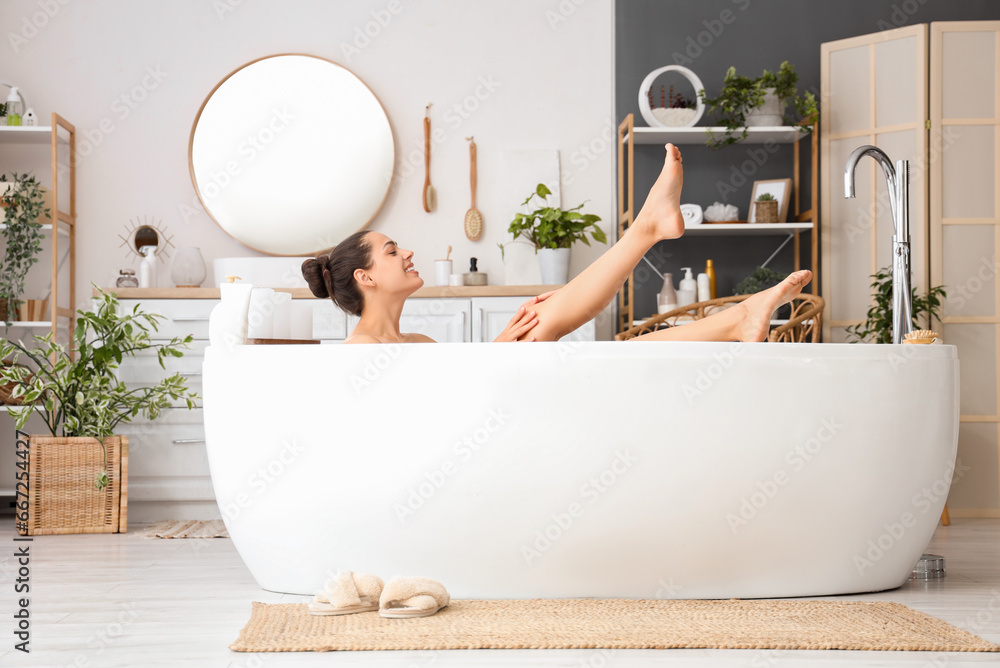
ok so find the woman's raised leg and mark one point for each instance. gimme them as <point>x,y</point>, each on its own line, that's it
<point>588,294</point>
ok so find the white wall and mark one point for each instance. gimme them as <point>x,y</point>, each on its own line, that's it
<point>550,63</point>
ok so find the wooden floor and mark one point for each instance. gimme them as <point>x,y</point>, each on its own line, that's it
<point>122,600</point>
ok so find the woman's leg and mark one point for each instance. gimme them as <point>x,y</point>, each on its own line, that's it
<point>586,295</point>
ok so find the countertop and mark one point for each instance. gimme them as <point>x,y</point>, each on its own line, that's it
<point>304,293</point>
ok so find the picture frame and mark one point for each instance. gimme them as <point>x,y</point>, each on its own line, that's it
<point>782,191</point>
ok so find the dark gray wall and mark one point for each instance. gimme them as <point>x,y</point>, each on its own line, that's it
<point>707,36</point>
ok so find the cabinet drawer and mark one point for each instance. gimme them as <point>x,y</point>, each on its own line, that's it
<point>171,446</point>
<point>143,370</point>
<point>180,316</point>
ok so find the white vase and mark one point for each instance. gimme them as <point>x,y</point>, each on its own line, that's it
<point>188,267</point>
<point>554,265</point>
<point>771,113</point>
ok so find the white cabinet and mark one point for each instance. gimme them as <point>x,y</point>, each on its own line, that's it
<point>444,320</point>
<point>491,314</point>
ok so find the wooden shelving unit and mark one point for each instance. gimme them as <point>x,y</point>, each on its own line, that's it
<point>629,136</point>
<point>62,224</point>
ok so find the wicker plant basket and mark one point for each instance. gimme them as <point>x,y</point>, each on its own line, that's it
<point>62,497</point>
<point>767,211</point>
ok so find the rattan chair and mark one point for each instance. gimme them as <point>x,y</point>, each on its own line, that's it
<point>804,325</point>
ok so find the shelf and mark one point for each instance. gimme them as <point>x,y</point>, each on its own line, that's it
<point>46,226</point>
<point>47,324</point>
<point>758,135</point>
<point>23,134</point>
<point>746,229</point>
<point>773,322</point>
<point>8,492</point>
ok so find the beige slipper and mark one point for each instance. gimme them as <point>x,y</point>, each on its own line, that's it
<point>347,593</point>
<point>405,597</point>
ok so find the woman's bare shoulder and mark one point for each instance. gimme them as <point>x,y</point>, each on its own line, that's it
<point>361,338</point>
<point>418,338</point>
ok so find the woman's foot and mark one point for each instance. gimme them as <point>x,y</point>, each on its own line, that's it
<point>759,307</point>
<point>661,212</point>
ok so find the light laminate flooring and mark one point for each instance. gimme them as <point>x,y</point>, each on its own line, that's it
<point>121,600</point>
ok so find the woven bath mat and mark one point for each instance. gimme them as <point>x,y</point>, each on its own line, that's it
<point>185,529</point>
<point>612,623</point>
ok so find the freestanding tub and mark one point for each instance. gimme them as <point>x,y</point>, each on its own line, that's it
<point>604,469</point>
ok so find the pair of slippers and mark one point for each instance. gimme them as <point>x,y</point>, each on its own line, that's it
<point>403,597</point>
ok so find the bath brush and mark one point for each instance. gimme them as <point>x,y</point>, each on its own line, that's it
<point>921,336</point>
<point>473,219</point>
<point>430,197</point>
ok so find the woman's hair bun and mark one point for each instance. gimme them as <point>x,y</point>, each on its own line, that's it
<point>312,271</point>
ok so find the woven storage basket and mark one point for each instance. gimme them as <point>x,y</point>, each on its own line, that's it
<point>6,389</point>
<point>62,496</point>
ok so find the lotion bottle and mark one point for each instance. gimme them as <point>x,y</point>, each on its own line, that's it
<point>688,292</point>
<point>710,270</point>
<point>667,299</point>
<point>704,287</point>
<point>147,268</point>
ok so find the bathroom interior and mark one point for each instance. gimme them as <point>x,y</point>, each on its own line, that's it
<point>180,161</point>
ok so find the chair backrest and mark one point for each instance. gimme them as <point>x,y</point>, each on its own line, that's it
<point>804,324</point>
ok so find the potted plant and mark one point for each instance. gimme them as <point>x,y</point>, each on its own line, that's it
<point>22,201</point>
<point>77,390</point>
<point>553,231</point>
<point>763,278</point>
<point>746,102</point>
<point>877,327</point>
<point>766,208</point>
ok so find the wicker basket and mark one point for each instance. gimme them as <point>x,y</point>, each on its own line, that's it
<point>8,388</point>
<point>62,497</point>
<point>766,211</point>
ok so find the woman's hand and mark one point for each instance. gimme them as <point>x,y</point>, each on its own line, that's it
<point>519,325</point>
<point>523,320</point>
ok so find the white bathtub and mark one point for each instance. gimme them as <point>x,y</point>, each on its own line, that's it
<point>606,469</point>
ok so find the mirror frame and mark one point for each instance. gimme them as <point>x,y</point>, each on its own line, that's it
<point>201,108</point>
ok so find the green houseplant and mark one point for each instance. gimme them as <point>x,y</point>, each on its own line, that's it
<point>23,204</point>
<point>553,231</point>
<point>76,387</point>
<point>877,327</point>
<point>741,96</point>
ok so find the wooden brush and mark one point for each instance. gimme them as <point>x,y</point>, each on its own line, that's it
<point>473,219</point>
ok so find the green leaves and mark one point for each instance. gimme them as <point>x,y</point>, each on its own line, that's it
<point>741,94</point>
<point>23,234</point>
<point>552,227</point>
<point>877,327</point>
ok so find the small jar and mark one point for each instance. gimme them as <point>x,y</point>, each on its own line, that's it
<point>127,279</point>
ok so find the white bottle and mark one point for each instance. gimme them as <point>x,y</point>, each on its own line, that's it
<point>667,299</point>
<point>704,287</point>
<point>147,268</point>
<point>688,292</point>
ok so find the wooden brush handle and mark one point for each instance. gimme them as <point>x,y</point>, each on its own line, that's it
<point>472,170</point>
<point>427,148</point>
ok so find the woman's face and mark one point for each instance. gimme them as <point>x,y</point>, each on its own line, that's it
<point>392,268</point>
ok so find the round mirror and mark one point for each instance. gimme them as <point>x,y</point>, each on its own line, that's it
<point>146,236</point>
<point>290,154</point>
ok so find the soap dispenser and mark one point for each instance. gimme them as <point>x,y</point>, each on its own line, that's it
<point>14,110</point>
<point>688,292</point>
<point>475,277</point>
<point>667,299</point>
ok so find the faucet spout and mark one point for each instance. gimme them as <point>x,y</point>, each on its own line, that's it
<point>898,180</point>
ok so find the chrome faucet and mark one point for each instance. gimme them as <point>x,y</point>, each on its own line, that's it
<point>898,181</point>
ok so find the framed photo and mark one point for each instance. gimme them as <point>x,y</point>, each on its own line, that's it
<point>782,191</point>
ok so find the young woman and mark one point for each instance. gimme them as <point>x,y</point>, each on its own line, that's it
<point>369,276</point>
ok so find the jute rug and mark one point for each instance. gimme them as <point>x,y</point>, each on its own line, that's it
<point>185,529</point>
<point>612,623</point>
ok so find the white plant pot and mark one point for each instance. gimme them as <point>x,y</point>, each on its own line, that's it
<point>770,114</point>
<point>554,265</point>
